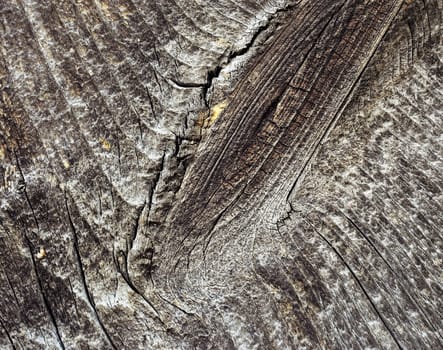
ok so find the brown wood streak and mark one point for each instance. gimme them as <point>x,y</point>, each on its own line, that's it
<point>280,111</point>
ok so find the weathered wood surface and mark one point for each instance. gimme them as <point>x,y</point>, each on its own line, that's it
<point>193,174</point>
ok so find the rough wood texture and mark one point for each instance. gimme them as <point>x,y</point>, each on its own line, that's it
<point>197,175</point>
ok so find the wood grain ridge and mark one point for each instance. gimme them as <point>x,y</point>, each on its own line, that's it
<point>355,259</point>
<point>280,111</point>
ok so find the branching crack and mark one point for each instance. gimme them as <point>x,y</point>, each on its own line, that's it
<point>224,61</point>
<point>123,271</point>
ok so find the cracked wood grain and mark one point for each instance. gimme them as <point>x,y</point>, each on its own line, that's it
<point>217,175</point>
<point>279,125</point>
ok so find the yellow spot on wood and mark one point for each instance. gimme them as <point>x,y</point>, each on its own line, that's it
<point>82,51</point>
<point>105,10</point>
<point>105,144</point>
<point>287,308</point>
<point>124,12</point>
<point>222,42</point>
<point>41,253</point>
<point>215,112</point>
<point>66,164</point>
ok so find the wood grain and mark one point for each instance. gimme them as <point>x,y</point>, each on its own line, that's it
<point>280,111</point>
<point>217,175</point>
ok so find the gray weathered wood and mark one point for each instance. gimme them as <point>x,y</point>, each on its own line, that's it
<point>193,174</point>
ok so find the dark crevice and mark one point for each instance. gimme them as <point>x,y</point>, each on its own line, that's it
<point>156,74</point>
<point>150,265</point>
<point>137,225</point>
<point>174,305</point>
<point>139,122</point>
<point>412,47</point>
<point>8,335</point>
<point>83,275</point>
<point>119,157</point>
<point>266,117</point>
<point>74,298</point>
<point>111,191</point>
<point>211,75</point>
<point>282,221</point>
<point>123,271</point>
<point>45,299</point>
<point>151,104</point>
<point>178,142</point>
<point>22,188</point>
<point>153,187</point>
<point>215,72</point>
<point>360,284</point>
<point>185,85</point>
<point>354,225</point>
<point>259,31</point>
<point>100,206</point>
<point>183,160</point>
<point>31,251</point>
<point>406,290</point>
<point>11,287</point>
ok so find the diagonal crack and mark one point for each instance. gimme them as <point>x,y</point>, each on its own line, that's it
<point>360,284</point>
<point>215,72</point>
<point>406,290</point>
<point>123,271</point>
<point>137,224</point>
<point>83,276</point>
<point>226,60</point>
<point>45,299</point>
<point>31,248</point>
<point>154,186</point>
<point>8,335</point>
